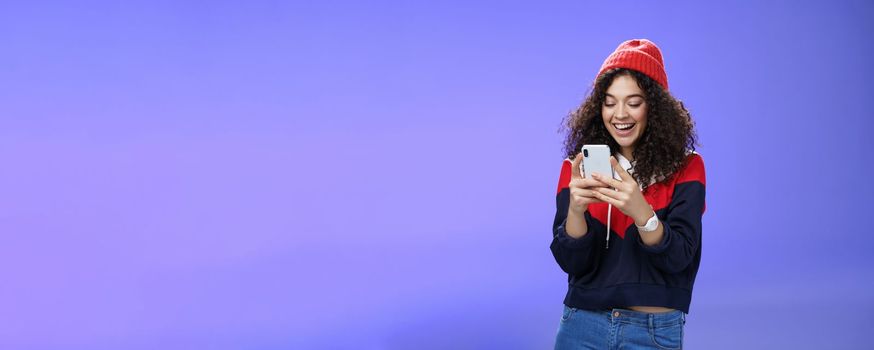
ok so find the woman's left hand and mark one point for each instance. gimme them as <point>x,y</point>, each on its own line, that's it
<point>624,194</point>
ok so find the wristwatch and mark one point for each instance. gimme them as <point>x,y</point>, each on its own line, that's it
<point>651,225</point>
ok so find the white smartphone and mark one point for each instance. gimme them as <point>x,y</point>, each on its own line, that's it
<point>596,159</point>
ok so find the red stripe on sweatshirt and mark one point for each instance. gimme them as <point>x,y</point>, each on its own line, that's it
<point>564,179</point>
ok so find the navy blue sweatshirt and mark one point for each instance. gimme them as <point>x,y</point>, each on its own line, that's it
<point>630,273</point>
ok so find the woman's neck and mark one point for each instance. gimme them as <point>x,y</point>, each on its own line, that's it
<point>627,152</point>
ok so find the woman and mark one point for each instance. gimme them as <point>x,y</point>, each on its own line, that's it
<point>632,290</point>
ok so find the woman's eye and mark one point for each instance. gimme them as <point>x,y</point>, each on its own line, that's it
<point>635,105</point>
<point>609,104</point>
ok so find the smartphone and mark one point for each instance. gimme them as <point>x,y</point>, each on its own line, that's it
<point>596,159</point>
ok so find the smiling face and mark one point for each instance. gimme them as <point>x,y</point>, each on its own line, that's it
<point>624,113</point>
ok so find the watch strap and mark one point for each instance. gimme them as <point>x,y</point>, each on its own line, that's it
<point>651,225</point>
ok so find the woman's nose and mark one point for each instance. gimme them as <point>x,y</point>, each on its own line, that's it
<point>620,111</point>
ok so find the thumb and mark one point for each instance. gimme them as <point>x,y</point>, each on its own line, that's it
<point>619,170</point>
<point>575,167</point>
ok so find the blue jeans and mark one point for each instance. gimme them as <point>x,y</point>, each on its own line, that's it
<point>619,329</point>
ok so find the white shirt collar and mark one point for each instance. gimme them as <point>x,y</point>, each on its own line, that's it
<point>624,163</point>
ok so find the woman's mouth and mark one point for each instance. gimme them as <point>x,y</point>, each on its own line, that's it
<point>624,129</point>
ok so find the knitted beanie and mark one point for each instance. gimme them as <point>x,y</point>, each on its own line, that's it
<point>641,55</point>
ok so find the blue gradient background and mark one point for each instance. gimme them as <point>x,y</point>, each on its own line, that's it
<point>381,175</point>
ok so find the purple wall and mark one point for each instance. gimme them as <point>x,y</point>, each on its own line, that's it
<point>381,175</point>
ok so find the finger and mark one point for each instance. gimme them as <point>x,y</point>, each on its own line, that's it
<point>587,201</point>
<point>586,189</point>
<point>583,193</point>
<point>617,195</point>
<point>607,181</point>
<point>619,170</point>
<point>587,197</point>
<point>589,194</point>
<point>588,183</point>
<point>607,199</point>
<point>575,167</point>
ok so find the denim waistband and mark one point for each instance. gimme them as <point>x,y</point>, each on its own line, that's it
<point>661,319</point>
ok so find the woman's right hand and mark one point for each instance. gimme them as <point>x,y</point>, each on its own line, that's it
<point>581,189</point>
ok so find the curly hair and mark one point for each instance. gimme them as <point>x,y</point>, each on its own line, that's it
<point>662,148</point>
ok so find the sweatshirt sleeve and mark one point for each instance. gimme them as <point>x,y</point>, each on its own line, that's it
<point>573,255</point>
<point>682,222</point>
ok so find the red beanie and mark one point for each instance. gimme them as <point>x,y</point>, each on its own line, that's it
<point>641,55</point>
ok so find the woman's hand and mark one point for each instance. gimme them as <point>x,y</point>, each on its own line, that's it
<point>582,190</point>
<point>623,194</point>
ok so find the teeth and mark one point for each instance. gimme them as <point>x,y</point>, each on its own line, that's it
<point>623,126</point>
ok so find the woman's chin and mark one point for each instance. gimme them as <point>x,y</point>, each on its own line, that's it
<point>624,142</point>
